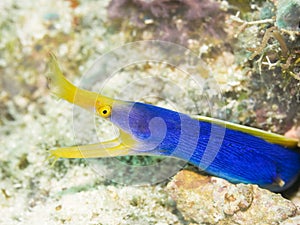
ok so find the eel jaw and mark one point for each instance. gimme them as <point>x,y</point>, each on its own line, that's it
<point>120,146</point>
<point>110,148</point>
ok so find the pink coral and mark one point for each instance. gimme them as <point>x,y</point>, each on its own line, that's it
<point>199,18</point>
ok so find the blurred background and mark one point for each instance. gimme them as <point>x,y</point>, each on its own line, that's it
<point>250,48</point>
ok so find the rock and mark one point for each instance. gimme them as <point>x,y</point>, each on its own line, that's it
<point>292,221</point>
<point>212,200</point>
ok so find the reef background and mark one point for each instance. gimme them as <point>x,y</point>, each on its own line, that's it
<point>252,49</point>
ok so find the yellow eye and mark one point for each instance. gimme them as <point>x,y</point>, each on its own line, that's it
<point>104,111</point>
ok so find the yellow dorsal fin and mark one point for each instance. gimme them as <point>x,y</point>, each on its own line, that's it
<point>267,136</point>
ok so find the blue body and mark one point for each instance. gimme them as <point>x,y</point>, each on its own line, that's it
<point>230,154</point>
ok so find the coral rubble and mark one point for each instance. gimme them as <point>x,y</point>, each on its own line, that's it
<point>210,200</point>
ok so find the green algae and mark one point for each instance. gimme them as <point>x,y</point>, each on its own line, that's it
<point>287,15</point>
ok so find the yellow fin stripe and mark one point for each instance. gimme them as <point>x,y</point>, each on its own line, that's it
<point>268,136</point>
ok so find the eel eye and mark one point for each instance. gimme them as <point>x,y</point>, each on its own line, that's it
<point>104,111</point>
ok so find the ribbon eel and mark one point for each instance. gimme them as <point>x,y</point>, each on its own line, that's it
<point>237,153</point>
